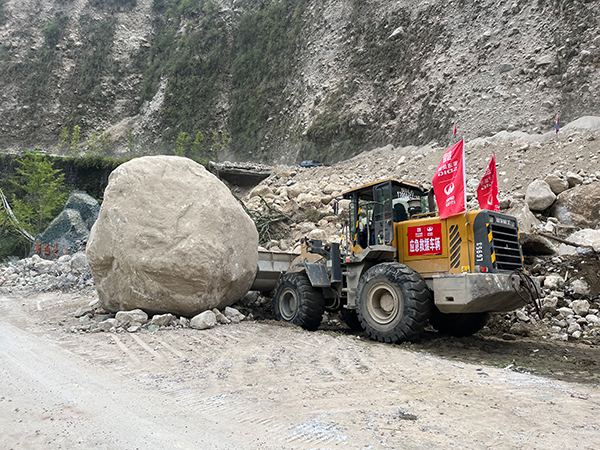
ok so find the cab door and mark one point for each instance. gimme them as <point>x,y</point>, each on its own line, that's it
<point>383,225</point>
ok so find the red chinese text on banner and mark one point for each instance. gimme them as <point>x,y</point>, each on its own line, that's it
<point>449,182</point>
<point>425,240</point>
<point>487,191</point>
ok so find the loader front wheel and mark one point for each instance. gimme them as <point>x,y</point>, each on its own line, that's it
<point>394,303</point>
<point>351,319</point>
<point>296,301</point>
<point>458,324</point>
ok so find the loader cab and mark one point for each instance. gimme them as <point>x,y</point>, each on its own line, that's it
<point>375,207</point>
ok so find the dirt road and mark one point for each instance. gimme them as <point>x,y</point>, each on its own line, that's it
<point>263,386</point>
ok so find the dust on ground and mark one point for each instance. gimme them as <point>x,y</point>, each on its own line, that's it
<point>276,386</point>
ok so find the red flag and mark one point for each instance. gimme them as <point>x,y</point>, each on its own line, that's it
<point>454,128</point>
<point>449,182</point>
<point>487,191</point>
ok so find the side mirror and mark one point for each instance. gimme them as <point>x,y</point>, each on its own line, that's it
<point>336,207</point>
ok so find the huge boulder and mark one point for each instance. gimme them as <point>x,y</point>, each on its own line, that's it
<point>579,206</point>
<point>539,196</point>
<point>171,238</point>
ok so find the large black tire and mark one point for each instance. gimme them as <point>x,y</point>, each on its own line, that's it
<point>459,324</point>
<point>296,301</point>
<point>394,303</point>
<point>351,318</point>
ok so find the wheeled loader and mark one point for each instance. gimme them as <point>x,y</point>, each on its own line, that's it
<point>399,267</point>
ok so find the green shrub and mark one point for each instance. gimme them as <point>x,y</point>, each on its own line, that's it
<point>41,191</point>
<point>196,64</point>
<point>51,32</point>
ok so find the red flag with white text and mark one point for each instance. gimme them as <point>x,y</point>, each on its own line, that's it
<point>449,182</point>
<point>487,191</point>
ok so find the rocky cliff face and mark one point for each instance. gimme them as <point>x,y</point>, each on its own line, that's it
<point>289,79</point>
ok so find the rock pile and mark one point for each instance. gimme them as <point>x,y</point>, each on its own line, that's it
<point>67,273</point>
<point>93,318</point>
<point>557,212</point>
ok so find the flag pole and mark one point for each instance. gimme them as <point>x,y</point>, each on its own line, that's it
<point>465,200</point>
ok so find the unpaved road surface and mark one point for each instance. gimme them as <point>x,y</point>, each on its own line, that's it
<point>263,386</point>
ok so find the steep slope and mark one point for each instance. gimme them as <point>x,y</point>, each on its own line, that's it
<point>290,79</point>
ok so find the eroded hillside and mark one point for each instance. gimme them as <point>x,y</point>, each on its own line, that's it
<point>278,81</point>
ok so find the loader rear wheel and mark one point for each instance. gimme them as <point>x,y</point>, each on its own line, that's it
<point>394,303</point>
<point>296,301</point>
<point>458,324</point>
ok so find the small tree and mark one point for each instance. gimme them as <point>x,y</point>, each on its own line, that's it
<point>43,188</point>
<point>182,142</point>
<point>63,137</point>
<point>220,141</point>
<point>75,140</point>
<point>132,142</point>
<point>98,143</point>
<point>197,146</point>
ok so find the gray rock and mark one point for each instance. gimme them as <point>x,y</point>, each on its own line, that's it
<point>171,237</point>
<point>234,315</point>
<point>556,183</point>
<point>573,179</point>
<point>184,322</point>
<point>204,320</point>
<point>564,249</point>
<point>579,206</point>
<point>520,329</point>
<point>581,307</point>
<point>549,305</point>
<point>565,312</point>
<point>573,328</point>
<point>221,317</point>
<point>586,237</point>
<point>126,318</point>
<point>45,266</point>
<point>84,310</point>
<point>162,320</point>
<point>582,321</point>
<point>527,221</point>
<point>539,196</point>
<point>64,259</point>
<point>505,202</point>
<point>522,316</point>
<point>79,262</point>
<point>506,67</point>
<point>545,60</point>
<point>536,245</point>
<point>553,281</point>
<point>592,318</point>
<point>108,325</point>
<point>134,327</point>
